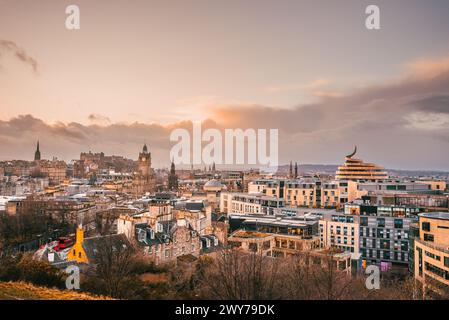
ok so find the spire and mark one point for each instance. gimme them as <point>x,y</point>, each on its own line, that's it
<point>145,149</point>
<point>172,169</point>
<point>37,153</point>
<point>296,169</point>
<point>291,170</point>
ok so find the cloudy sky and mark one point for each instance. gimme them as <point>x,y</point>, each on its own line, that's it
<point>138,69</point>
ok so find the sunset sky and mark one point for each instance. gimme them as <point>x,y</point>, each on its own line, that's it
<point>137,69</point>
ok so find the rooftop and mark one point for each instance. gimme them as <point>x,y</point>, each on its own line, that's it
<point>435,215</point>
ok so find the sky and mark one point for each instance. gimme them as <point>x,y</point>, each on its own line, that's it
<point>138,69</point>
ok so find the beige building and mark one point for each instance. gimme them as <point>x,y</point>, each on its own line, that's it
<point>431,251</point>
<point>315,193</point>
<point>55,170</point>
<point>435,185</point>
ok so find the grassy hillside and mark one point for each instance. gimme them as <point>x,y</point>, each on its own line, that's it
<point>25,291</point>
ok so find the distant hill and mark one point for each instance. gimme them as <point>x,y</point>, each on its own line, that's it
<point>332,168</point>
<point>26,291</point>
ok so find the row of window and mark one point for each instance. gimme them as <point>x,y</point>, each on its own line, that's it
<point>383,233</point>
<point>398,223</point>
<point>386,255</point>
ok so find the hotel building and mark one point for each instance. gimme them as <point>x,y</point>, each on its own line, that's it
<point>356,169</point>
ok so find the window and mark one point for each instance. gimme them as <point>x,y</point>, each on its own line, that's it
<point>381,223</point>
<point>404,245</point>
<point>446,262</point>
<point>425,226</point>
<point>398,223</point>
<point>437,271</point>
<point>428,237</point>
<point>364,221</point>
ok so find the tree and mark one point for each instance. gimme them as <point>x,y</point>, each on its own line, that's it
<point>236,275</point>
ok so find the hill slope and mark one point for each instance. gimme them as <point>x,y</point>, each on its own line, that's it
<point>26,291</point>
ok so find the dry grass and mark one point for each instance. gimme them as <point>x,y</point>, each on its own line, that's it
<point>25,291</point>
<point>154,277</point>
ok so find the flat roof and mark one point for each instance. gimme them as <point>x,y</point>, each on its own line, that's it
<point>435,215</point>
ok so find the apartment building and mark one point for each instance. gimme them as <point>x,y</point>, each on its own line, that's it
<point>315,193</point>
<point>385,231</point>
<point>269,187</point>
<point>431,250</point>
<point>337,230</point>
<point>242,203</point>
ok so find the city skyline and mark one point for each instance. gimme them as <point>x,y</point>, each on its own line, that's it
<point>311,70</point>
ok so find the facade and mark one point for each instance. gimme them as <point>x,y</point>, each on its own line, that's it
<point>308,192</point>
<point>385,239</point>
<point>340,231</point>
<point>431,253</point>
<point>356,169</point>
<point>243,203</point>
<point>385,231</point>
<point>269,187</point>
<point>55,170</point>
<point>272,245</point>
<point>394,186</point>
<point>271,236</point>
<point>302,227</point>
<point>314,193</point>
<point>169,241</point>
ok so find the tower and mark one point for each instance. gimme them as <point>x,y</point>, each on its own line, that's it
<point>77,253</point>
<point>172,178</point>
<point>144,181</point>
<point>296,170</point>
<point>37,153</point>
<point>144,166</point>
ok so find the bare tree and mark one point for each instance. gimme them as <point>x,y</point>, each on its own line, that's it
<point>236,275</point>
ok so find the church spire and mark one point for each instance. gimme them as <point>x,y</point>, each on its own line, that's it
<point>291,170</point>
<point>37,154</point>
<point>296,170</point>
<point>172,169</point>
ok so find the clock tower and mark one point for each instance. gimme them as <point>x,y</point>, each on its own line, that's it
<point>144,166</point>
<point>144,179</point>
